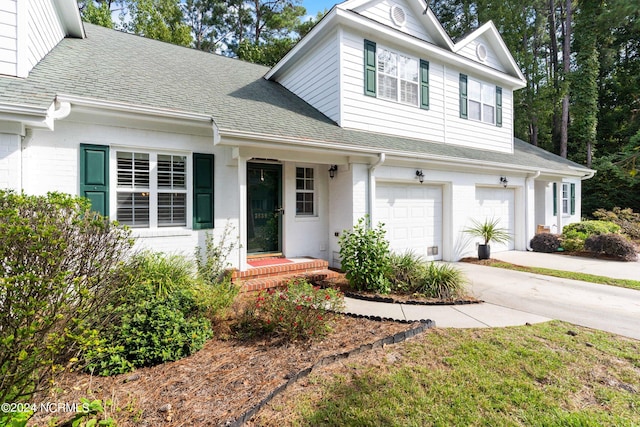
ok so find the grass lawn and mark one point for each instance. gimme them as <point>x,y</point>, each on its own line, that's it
<point>623,283</point>
<point>539,375</point>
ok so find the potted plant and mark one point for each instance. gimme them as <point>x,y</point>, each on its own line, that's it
<point>489,231</point>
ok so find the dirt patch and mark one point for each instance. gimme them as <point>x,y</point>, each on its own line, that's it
<point>217,384</point>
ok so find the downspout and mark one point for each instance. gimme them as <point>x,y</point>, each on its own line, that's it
<point>526,208</point>
<point>26,139</point>
<point>370,193</point>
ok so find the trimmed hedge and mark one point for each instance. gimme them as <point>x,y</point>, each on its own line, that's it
<point>614,245</point>
<point>574,235</point>
<point>545,242</point>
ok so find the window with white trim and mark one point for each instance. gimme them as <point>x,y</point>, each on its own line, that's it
<point>151,189</point>
<point>565,198</point>
<point>397,77</point>
<point>305,192</point>
<point>482,101</point>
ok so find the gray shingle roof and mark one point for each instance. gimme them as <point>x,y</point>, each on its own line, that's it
<point>114,66</point>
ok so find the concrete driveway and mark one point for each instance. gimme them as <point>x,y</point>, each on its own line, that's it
<point>603,307</point>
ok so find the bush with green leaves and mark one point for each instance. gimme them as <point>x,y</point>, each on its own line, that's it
<point>574,235</point>
<point>159,319</point>
<point>299,311</point>
<point>615,245</point>
<point>364,254</point>
<point>627,219</point>
<point>545,242</point>
<point>410,274</point>
<point>57,259</point>
<point>212,260</point>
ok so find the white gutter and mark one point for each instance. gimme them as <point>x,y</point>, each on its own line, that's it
<point>589,172</point>
<point>133,108</point>
<point>527,180</point>
<point>371,193</point>
<point>271,141</point>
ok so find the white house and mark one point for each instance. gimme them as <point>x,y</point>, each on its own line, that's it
<point>376,111</point>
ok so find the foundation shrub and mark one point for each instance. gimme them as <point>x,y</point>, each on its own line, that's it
<point>615,245</point>
<point>574,235</point>
<point>365,257</point>
<point>57,263</point>
<point>627,219</point>
<point>545,242</point>
<point>300,311</point>
<point>158,319</point>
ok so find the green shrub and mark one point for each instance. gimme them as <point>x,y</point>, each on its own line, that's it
<point>407,271</point>
<point>159,318</point>
<point>614,245</point>
<point>211,261</point>
<point>299,311</point>
<point>56,283</point>
<point>545,242</point>
<point>574,235</point>
<point>442,281</point>
<point>627,219</point>
<point>364,255</point>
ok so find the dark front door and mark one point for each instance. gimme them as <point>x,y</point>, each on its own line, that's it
<point>264,208</point>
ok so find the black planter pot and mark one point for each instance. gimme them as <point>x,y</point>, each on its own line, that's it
<point>484,251</point>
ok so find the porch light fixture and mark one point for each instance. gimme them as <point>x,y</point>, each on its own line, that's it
<point>420,175</point>
<point>504,181</point>
<point>332,171</point>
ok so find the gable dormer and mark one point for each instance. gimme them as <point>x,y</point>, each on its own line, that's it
<point>369,66</point>
<point>410,17</point>
<point>29,29</point>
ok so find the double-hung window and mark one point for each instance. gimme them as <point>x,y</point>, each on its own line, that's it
<point>482,102</point>
<point>397,77</point>
<point>151,189</point>
<point>305,192</point>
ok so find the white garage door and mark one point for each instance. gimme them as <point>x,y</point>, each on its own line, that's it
<point>498,203</point>
<point>412,215</point>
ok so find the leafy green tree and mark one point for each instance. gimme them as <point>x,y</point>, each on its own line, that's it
<point>98,14</point>
<point>157,19</point>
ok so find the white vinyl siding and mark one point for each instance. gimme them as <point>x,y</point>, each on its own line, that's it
<point>8,37</point>
<point>315,78</point>
<point>471,133</point>
<point>44,31</point>
<point>381,12</point>
<point>492,60</point>
<point>379,115</point>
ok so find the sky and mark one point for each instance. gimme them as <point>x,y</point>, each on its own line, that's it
<point>315,6</point>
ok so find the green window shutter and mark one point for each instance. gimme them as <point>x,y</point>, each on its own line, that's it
<point>498,106</point>
<point>573,199</point>
<point>463,96</point>
<point>202,191</point>
<point>369,68</point>
<point>424,84</point>
<point>555,199</point>
<point>94,176</point>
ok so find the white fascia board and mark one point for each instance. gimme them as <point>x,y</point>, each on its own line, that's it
<point>497,38</point>
<point>27,115</point>
<point>250,139</point>
<point>69,15</point>
<point>358,22</point>
<point>124,107</point>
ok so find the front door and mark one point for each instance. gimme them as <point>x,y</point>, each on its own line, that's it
<point>264,208</point>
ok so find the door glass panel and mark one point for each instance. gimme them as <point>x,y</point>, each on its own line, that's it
<point>264,213</point>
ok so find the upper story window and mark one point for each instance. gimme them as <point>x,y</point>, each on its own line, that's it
<point>394,76</point>
<point>480,101</point>
<point>397,77</point>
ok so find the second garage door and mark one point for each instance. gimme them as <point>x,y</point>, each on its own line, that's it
<point>498,203</point>
<point>412,215</point>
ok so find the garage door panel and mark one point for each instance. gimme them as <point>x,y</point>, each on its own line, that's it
<point>497,203</point>
<point>412,215</point>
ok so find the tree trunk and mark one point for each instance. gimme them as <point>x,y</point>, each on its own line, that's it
<point>566,60</point>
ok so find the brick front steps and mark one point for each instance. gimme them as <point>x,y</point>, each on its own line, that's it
<point>258,278</point>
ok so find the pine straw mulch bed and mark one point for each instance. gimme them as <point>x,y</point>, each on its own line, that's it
<point>216,385</point>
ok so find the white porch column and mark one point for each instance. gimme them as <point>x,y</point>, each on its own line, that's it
<point>10,161</point>
<point>559,207</point>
